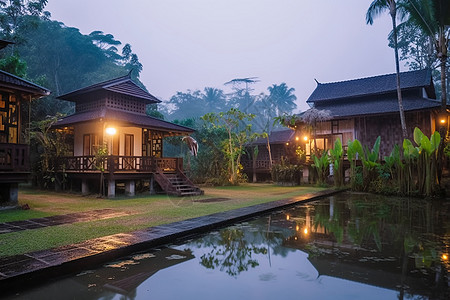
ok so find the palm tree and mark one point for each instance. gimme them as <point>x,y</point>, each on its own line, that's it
<point>432,16</point>
<point>214,99</point>
<point>375,9</point>
<point>282,98</point>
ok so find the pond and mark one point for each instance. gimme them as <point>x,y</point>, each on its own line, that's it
<point>347,246</point>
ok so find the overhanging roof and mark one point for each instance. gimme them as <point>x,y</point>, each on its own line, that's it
<point>370,86</point>
<point>122,85</point>
<point>14,82</point>
<point>380,106</point>
<point>122,117</point>
<point>277,137</point>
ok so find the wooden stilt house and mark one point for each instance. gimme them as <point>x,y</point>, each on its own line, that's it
<point>114,139</point>
<point>366,108</point>
<point>15,94</point>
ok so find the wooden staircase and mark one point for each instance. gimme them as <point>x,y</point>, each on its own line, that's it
<point>176,183</point>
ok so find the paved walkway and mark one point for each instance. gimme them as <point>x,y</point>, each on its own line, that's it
<point>41,265</point>
<point>98,214</point>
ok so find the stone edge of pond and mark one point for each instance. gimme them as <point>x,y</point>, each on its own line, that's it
<point>19,271</point>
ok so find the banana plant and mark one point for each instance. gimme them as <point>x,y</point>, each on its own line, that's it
<point>411,167</point>
<point>352,156</point>
<point>427,160</point>
<point>337,158</point>
<point>369,159</point>
<point>322,165</point>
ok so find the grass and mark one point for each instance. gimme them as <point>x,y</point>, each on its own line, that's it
<point>142,211</point>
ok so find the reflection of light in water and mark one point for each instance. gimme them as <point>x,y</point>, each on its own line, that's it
<point>175,256</point>
<point>143,256</point>
<point>121,264</point>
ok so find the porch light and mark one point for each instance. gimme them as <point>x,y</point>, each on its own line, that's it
<point>111,130</point>
<point>305,138</point>
<point>442,121</point>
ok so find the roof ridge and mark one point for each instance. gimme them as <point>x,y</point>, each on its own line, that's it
<point>47,91</point>
<point>376,76</point>
<point>106,82</point>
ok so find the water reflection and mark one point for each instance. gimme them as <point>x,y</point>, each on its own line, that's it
<point>349,246</point>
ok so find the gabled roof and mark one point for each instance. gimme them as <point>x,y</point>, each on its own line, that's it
<point>122,85</point>
<point>14,82</point>
<point>277,137</point>
<point>384,105</point>
<point>370,86</point>
<point>124,117</point>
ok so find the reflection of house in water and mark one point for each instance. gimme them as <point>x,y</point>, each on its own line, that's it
<point>316,234</point>
<point>125,276</point>
<point>120,277</point>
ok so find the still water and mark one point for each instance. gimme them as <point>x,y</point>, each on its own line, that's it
<point>348,246</point>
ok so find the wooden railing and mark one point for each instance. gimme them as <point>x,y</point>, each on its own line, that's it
<point>115,163</point>
<point>260,164</point>
<point>14,157</point>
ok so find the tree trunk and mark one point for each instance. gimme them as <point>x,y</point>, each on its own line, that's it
<point>442,54</point>
<point>397,69</point>
<point>270,153</point>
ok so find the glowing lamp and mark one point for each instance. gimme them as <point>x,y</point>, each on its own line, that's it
<point>305,231</point>
<point>296,138</point>
<point>305,138</point>
<point>111,130</point>
<point>297,228</point>
<point>444,257</point>
<point>287,217</point>
<point>442,121</point>
<point>287,144</point>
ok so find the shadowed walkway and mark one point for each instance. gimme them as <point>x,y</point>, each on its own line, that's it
<point>98,214</point>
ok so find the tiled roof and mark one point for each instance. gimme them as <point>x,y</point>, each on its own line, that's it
<point>379,106</point>
<point>370,86</point>
<point>122,85</point>
<point>277,137</point>
<point>14,82</point>
<point>122,117</point>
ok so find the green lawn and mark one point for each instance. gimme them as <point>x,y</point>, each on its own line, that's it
<point>142,211</point>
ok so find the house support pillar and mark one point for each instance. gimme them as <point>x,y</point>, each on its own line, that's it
<point>84,187</point>
<point>111,188</point>
<point>130,188</point>
<point>152,185</point>
<point>9,193</point>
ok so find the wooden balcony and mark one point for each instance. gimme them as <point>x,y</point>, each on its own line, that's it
<point>119,164</point>
<point>14,158</point>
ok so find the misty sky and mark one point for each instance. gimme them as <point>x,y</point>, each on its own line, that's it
<point>192,44</point>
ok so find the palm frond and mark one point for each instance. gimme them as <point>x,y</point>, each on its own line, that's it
<point>376,8</point>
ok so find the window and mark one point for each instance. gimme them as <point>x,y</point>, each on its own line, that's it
<point>90,144</point>
<point>9,119</point>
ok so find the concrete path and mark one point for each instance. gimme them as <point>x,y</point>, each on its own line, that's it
<point>35,267</point>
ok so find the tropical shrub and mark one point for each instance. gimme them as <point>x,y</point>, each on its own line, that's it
<point>286,174</point>
<point>337,159</point>
<point>322,166</point>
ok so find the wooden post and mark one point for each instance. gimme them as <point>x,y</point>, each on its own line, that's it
<point>152,185</point>
<point>111,188</point>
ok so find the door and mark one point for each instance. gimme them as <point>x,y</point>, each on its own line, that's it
<point>129,152</point>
